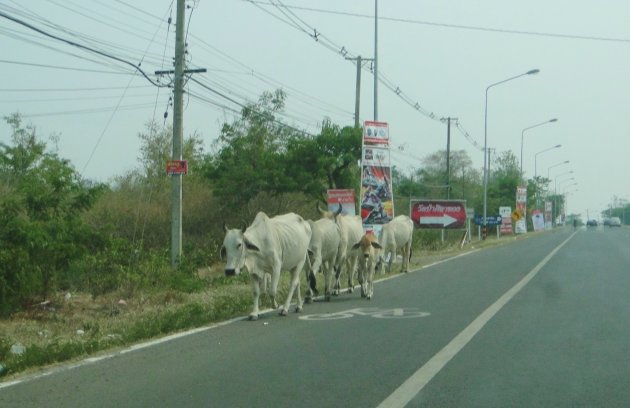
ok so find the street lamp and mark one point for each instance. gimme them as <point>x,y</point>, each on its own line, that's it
<point>485,144</point>
<point>555,165</point>
<point>523,135</point>
<point>558,176</point>
<point>536,158</point>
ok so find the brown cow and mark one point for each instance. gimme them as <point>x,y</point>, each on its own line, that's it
<point>368,248</point>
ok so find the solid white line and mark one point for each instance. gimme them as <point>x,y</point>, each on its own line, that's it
<point>414,384</point>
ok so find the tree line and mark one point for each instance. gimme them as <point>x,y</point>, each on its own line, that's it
<point>62,232</point>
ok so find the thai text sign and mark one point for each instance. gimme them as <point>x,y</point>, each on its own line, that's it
<point>449,214</point>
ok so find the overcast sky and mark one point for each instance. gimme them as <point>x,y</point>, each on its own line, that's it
<point>440,55</point>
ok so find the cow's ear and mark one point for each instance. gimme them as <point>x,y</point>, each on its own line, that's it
<point>250,246</point>
<point>355,246</point>
<point>222,253</point>
<point>376,245</point>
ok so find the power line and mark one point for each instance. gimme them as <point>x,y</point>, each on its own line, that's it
<point>31,27</point>
<point>455,26</point>
<point>344,52</point>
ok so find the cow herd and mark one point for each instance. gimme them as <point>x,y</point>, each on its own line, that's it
<point>333,244</point>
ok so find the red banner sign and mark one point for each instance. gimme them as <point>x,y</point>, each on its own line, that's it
<point>176,167</point>
<point>448,214</point>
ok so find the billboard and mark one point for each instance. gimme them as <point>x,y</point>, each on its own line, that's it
<point>377,205</point>
<point>343,197</point>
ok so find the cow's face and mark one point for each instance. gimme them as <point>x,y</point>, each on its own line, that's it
<point>367,246</point>
<point>232,251</point>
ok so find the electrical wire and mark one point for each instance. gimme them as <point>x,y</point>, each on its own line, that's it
<point>75,44</point>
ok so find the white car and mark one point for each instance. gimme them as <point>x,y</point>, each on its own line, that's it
<point>614,222</point>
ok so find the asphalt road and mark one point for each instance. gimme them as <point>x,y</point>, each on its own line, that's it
<point>540,322</point>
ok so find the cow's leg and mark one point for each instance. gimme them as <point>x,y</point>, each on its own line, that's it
<point>337,288</point>
<point>295,285</point>
<point>351,264</point>
<point>256,292</point>
<point>273,290</point>
<point>405,261</point>
<point>370,282</point>
<point>327,280</point>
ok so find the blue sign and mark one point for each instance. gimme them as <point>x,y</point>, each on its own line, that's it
<point>490,220</point>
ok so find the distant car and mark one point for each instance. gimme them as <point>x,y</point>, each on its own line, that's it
<point>591,223</point>
<point>614,222</point>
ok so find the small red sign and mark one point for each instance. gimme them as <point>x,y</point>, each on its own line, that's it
<point>448,214</point>
<point>174,167</point>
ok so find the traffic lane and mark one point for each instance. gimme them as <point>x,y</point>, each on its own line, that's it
<point>280,360</point>
<point>562,341</point>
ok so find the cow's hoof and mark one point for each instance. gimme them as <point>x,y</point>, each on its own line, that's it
<point>308,300</point>
<point>283,312</point>
<point>350,289</point>
<point>328,298</point>
<point>369,297</point>
<point>298,309</point>
<point>253,317</point>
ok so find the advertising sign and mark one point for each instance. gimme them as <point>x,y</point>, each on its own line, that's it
<point>377,205</point>
<point>345,197</point>
<point>375,133</point>
<point>548,214</point>
<point>538,221</point>
<point>521,209</point>
<point>506,220</point>
<point>450,214</point>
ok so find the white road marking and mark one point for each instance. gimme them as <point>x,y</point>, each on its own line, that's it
<point>414,384</point>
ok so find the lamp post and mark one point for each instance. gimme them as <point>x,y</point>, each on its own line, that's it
<point>536,158</point>
<point>555,165</point>
<point>485,144</point>
<point>523,135</point>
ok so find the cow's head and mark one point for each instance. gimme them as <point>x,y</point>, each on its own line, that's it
<point>232,250</point>
<point>367,246</point>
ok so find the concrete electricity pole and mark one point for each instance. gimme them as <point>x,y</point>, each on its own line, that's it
<point>178,132</point>
<point>448,155</point>
<point>357,102</point>
<point>178,139</point>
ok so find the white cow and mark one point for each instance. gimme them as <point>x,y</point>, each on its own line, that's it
<point>272,245</point>
<point>395,235</point>
<point>351,231</point>
<point>323,249</point>
<point>369,248</point>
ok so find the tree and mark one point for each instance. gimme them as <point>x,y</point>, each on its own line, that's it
<point>503,180</point>
<point>257,154</point>
<point>41,231</point>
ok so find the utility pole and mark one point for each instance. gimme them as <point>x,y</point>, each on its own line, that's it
<point>178,131</point>
<point>357,101</point>
<point>375,60</point>
<point>448,155</point>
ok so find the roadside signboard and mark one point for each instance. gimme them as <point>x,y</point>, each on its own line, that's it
<point>376,198</point>
<point>449,214</point>
<point>521,210</point>
<point>490,220</point>
<point>174,167</point>
<point>506,220</point>
<point>343,197</point>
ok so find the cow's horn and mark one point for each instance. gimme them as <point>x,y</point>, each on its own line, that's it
<point>320,209</point>
<point>338,210</point>
<point>243,226</point>
<point>225,228</point>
